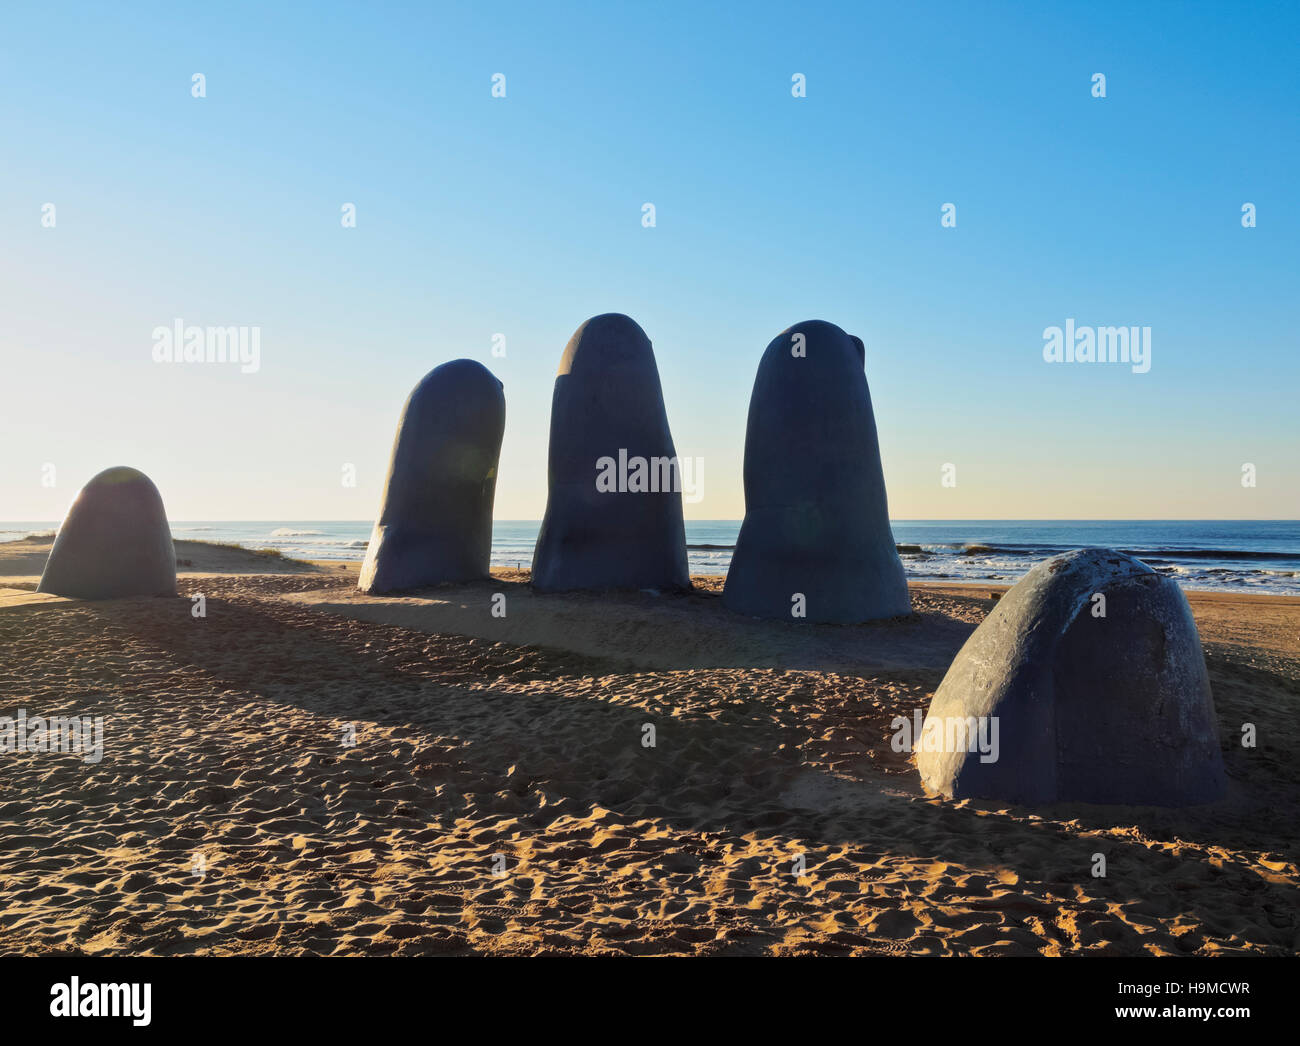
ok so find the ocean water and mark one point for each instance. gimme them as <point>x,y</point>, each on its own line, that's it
<point>1252,555</point>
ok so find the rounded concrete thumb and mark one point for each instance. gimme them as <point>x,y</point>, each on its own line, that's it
<point>1085,683</point>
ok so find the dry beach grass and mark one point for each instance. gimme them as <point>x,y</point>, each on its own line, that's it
<point>515,744</point>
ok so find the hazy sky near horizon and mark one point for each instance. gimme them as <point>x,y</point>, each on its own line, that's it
<point>522,216</point>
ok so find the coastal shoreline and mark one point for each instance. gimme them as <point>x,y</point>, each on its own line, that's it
<point>772,814</point>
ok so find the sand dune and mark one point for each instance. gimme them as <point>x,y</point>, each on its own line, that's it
<point>771,816</point>
<point>23,561</point>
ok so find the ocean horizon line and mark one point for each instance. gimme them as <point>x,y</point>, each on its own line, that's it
<point>1219,554</point>
<point>740,519</point>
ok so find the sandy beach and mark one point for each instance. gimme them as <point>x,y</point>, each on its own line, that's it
<point>502,794</point>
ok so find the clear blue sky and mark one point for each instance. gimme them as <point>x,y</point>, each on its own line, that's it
<point>522,216</point>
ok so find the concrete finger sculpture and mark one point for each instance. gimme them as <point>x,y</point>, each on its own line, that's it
<point>1086,683</point>
<point>435,516</point>
<point>815,544</point>
<point>114,542</point>
<point>614,504</point>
